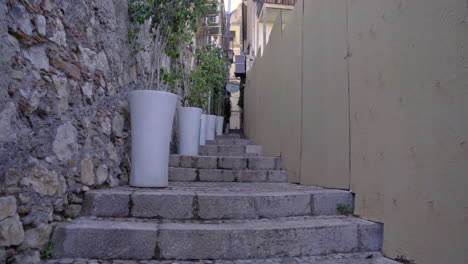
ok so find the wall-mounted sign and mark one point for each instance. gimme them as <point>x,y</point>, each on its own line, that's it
<point>232,87</point>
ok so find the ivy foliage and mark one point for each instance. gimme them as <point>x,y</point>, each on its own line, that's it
<point>172,23</point>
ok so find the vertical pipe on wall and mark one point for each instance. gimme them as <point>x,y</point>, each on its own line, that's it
<point>264,27</point>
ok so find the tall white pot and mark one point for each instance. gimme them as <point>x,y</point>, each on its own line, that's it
<point>203,129</point>
<point>189,130</point>
<point>152,115</point>
<point>210,127</point>
<point>219,125</point>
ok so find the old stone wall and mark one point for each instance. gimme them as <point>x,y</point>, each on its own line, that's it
<point>65,70</point>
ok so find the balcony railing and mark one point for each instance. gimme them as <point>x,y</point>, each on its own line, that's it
<point>276,2</point>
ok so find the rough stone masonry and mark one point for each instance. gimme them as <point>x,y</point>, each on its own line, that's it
<point>65,70</point>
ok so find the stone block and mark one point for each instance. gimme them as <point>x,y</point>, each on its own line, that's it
<point>370,236</point>
<point>277,176</point>
<point>208,150</point>
<point>200,162</point>
<point>252,176</point>
<point>232,163</point>
<point>183,174</point>
<point>265,163</point>
<point>94,239</point>
<point>11,231</point>
<point>325,202</point>
<point>162,205</point>
<point>174,161</point>
<point>106,203</point>
<point>253,149</point>
<point>282,205</point>
<point>226,207</point>
<point>7,207</point>
<point>257,239</point>
<point>215,175</point>
<point>231,149</point>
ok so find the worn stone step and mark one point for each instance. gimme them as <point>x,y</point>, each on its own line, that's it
<point>371,257</point>
<point>229,136</point>
<point>225,162</point>
<point>229,142</point>
<point>201,200</point>
<point>230,150</point>
<point>218,175</point>
<point>235,239</point>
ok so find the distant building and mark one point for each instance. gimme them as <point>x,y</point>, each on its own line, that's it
<point>260,18</point>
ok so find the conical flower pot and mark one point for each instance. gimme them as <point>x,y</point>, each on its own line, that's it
<point>203,129</point>
<point>189,130</point>
<point>219,125</point>
<point>210,127</point>
<point>152,115</point>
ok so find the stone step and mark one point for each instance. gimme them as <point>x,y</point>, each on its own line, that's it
<point>208,201</point>
<point>235,239</point>
<point>225,162</point>
<point>217,175</point>
<point>229,142</point>
<point>372,257</point>
<point>229,136</point>
<point>230,150</point>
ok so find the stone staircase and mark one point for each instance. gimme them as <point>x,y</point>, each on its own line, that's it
<point>226,207</point>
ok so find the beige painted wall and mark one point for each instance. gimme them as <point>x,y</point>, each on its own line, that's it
<point>372,95</point>
<point>325,130</point>
<point>274,107</point>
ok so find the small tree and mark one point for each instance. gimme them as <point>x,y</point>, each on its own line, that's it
<point>171,23</point>
<point>208,78</point>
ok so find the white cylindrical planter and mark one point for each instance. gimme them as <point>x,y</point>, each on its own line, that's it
<point>203,129</point>
<point>210,127</point>
<point>189,130</point>
<point>219,125</point>
<point>152,115</point>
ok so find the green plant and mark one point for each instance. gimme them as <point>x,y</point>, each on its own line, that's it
<point>47,252</point>
<point>404,260</point>
<point>74,214</point>
<point>171,24</point>
<point>344,209</point>
<point>208,79</point>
